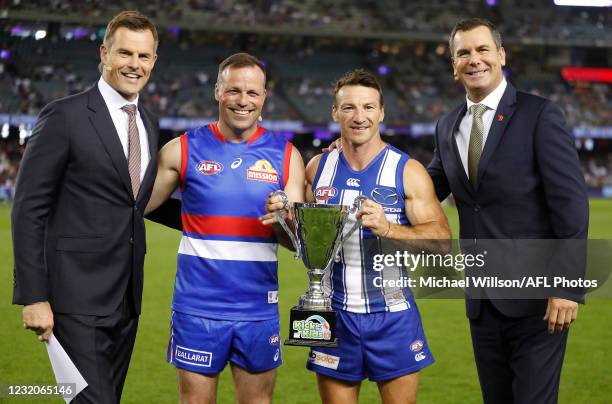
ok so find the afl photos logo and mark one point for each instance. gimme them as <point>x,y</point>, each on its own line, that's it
<point>209,167</point>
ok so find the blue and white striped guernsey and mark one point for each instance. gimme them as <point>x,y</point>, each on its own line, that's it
<point>351,281</point>
<point>227,264</point>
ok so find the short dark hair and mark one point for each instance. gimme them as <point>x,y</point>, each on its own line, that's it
<point>469,24</point>
<point>241,59</point>
<point>132,20</point>
<point>358,77</point>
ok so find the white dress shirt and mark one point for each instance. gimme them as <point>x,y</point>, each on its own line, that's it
<point>114,101</point>
<point>462,136</point>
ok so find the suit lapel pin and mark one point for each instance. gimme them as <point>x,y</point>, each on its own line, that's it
<point>500,117</point>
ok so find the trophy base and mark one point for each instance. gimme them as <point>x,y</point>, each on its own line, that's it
<point>314,328</point>
<point>301,342</point>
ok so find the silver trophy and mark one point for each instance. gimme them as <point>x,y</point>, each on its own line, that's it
<point>317,241</point>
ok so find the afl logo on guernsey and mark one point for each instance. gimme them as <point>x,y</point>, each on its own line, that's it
<point>209,167</point>
<point>325,193</point>
<point>262,170</point>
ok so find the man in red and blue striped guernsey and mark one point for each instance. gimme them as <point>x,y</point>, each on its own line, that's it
<point>226,289</point>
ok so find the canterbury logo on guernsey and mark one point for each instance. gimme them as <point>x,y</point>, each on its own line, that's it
<point>262,170</point>
<point>352,182</point>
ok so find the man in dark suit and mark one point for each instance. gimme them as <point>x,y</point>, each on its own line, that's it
<point>510,162</point>
<point>77,220</point>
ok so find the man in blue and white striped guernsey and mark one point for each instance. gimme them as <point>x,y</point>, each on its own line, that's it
<point>225,305</point>
<point>379,327</point>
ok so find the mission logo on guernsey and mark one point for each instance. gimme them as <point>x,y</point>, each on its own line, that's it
<point>262,170</point>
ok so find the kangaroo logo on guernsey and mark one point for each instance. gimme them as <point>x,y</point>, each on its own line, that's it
<point>262,170</point>
<point>207,167</point>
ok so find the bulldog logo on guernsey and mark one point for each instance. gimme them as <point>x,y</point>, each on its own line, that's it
<point>262,170</point>
<point>207,167</point>
<point>325,193</point>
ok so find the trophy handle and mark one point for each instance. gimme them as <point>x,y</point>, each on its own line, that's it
<point>353,209</point>
<point>283,223</point>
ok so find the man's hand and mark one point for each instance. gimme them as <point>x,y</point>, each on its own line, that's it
<point>336,144</point>
<point>560,313</point>
<point>373,217</point>
<point>38,317</point>
<point>274,203</point>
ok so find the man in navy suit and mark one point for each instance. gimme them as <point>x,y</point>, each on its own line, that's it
<point>78,228</point>
<point>510,162</point>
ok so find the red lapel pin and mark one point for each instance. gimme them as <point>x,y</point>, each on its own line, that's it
<point>500,117</point>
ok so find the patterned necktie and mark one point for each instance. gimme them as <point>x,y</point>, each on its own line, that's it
<point>475,145</point>
<point>133,148</point>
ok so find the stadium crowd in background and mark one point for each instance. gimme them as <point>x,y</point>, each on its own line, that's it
<point>416,74</point>
<point>529,19</point>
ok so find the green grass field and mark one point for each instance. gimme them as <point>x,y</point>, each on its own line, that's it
<point>586,374</point>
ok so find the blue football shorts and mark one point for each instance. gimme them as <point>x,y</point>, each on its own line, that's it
<point>204,345</point>
<point>380,346</point>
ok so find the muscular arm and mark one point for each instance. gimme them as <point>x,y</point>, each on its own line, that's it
<point>168,174</point>
<point>294,188</point>
<point>429,227</point>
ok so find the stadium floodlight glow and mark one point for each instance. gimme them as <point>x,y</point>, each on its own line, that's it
<point>5,130</point>
<point>383,70</point>
<point>40,34</point>
<point>23,133</point>
<point>584,3</point>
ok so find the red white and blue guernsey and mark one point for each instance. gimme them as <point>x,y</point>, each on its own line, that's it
<point>351,282</point>
<point>227,263</point>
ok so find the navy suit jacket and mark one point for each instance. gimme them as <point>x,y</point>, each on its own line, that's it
<point>78,231</point>
<point>530,185</point>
